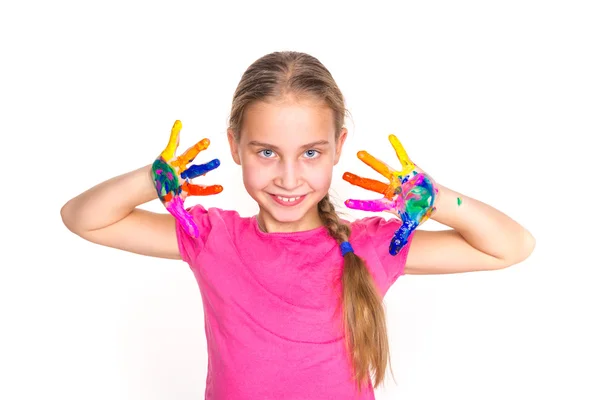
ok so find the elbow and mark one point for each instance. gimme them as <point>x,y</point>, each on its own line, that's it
<point>530,243</point>
<point>67,216</point>
<point>522,250</point>
<point>527,245</point>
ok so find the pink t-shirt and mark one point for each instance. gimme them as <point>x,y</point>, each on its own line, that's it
<point>270,300</point>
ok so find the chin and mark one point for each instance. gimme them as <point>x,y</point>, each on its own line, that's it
<point>288,214</point>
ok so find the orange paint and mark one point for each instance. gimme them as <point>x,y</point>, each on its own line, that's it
<point>377,165</point>
<point>197,190</point>
<point>183,160</point>
<point>366,183</point>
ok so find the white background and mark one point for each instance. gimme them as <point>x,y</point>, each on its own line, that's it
<point>497,100</point>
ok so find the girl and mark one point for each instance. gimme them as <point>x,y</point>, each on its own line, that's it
<point>292,296</point>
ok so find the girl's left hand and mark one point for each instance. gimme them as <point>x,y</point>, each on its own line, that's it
<point>411,193</point>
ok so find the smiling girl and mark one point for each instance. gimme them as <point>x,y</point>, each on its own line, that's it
<point>292,296</point>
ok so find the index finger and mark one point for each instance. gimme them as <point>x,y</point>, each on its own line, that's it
<point>377,165</point>
<point>190,154</point>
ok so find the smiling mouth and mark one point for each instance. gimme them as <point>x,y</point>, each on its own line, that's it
<point>287,200</point>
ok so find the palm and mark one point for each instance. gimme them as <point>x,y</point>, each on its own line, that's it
<point>171,176</point>
<point>410,193</point>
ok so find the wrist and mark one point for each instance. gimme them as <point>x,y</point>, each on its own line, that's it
<point>446,204</point>
<point>147,188</point>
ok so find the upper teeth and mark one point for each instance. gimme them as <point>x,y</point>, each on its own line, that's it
<point>288,198</point>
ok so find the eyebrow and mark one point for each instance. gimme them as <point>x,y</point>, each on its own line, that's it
<point>313,144</point>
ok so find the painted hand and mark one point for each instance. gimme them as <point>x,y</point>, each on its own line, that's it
<point>410,194</point>
<point>171,177</point>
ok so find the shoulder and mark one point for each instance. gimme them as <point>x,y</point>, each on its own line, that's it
<point>374,232</point>
<point>370,237</point>
<point>213,223</point>
<point>213,214</point>
<point>218,220</point>
<point>374,226</point>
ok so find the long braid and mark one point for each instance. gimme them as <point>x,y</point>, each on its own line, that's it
<point>340,232</point>
<point>363,312</point>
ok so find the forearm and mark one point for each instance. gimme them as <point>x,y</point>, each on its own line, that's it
<point>109,201</point>
<point>482,226</point>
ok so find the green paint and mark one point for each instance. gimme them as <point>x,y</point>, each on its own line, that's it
<point>459,201</point>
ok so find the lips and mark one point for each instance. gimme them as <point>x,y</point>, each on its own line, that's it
<point>287,201</point>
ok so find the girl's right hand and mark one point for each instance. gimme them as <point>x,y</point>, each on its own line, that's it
<point>171,176</point>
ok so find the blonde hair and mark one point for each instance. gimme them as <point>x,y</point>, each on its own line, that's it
<point>289,73</point>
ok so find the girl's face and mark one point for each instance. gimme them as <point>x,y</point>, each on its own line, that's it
<point>287,151</point>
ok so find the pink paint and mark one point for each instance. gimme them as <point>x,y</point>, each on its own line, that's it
<point>369,205</point>
<point>176,208</point>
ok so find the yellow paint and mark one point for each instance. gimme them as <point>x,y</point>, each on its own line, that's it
<point>169,152</point>
<point>407,164</point>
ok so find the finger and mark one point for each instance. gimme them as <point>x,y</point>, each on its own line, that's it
<point>369,205</point>
<point>407,164</point>
<point>365,183</point>
<point>377,165</point>
<point>175,207</point>
<point>169,151</point>
<point>188,156</point>
<point>200,169</point>
<point>198,190</point>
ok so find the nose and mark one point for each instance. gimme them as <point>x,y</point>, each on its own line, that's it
<point>289,177</point>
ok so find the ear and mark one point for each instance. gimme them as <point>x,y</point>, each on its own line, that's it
<point>234,147</point>
<point>339,145</point>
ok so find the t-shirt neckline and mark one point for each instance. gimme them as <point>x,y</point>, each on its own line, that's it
<point>309,232</point>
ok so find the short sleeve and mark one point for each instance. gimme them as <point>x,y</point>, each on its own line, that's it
<point>380,232</point>
<point>190,247</point>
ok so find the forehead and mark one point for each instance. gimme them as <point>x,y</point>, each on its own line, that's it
<point>288,124</point>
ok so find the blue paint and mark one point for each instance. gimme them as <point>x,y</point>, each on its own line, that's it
<point>197,170</point>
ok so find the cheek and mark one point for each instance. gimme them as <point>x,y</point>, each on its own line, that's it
<point>319,178</point>
<point>255,174</point>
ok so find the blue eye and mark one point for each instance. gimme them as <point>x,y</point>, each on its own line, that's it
<point>266,153</point>
<point>312,153</point>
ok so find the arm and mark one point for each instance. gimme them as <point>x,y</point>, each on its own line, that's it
<point>482,238</point>
<point>106,214</point>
